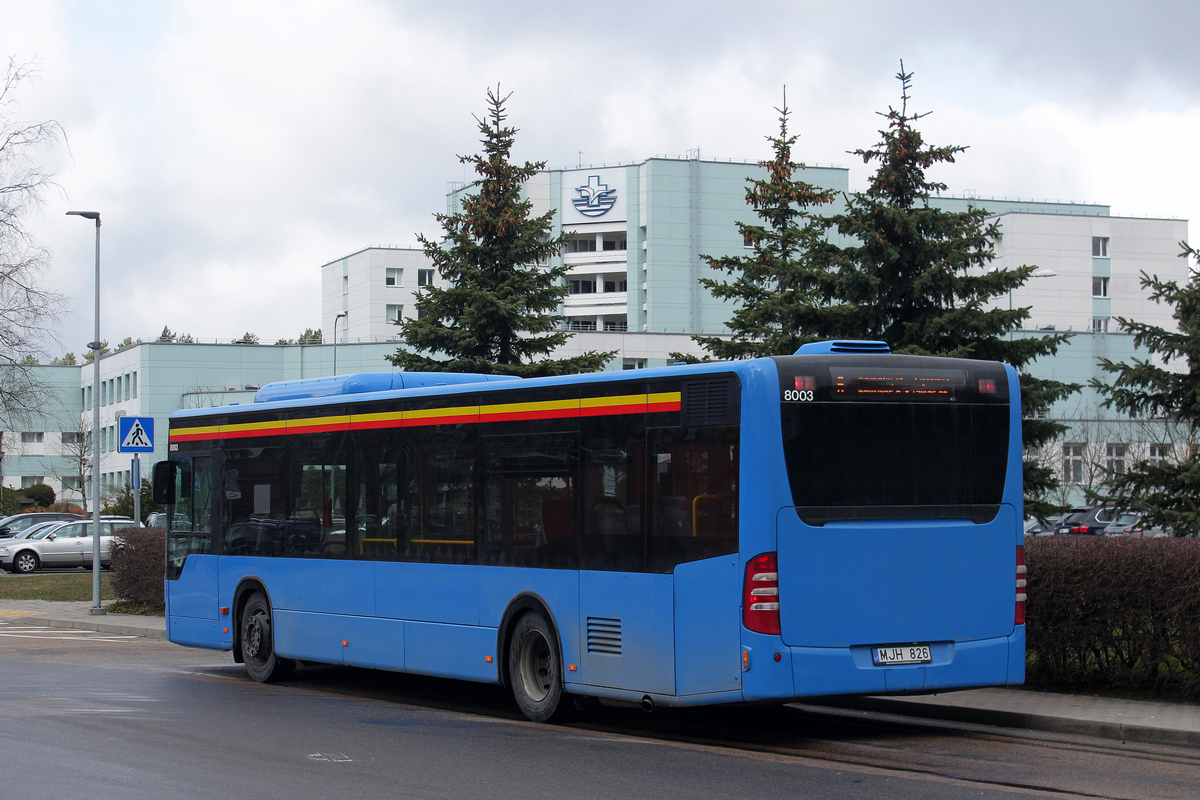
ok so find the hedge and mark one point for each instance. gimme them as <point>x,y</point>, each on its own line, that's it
<point>1116,613</point>
<point>137,566</point>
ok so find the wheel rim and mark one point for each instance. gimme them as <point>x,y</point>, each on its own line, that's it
<point>25,562</point>
<point>254,642</point>
<point>537,666</point>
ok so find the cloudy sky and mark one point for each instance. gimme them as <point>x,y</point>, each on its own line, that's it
<point>234,147</point>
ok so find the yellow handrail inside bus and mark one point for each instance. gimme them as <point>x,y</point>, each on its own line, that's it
<point>695,513</point>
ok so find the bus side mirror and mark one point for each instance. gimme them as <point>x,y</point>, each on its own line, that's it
<point>163,482</point>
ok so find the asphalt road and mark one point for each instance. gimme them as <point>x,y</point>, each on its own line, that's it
<point>88,715</point>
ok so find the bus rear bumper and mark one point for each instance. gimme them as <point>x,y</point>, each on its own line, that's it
<point>776,671</point>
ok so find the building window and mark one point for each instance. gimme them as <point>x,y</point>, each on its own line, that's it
<point>633,363</point>
<point>345,284</point>
<point>747,240</point>
<point>582,287</point>
<point>32,437</point>
<point>1100,247</point>
<point>616,325</point>
<point>392,277</point>
<point>1114,455</point>
<point>72,437</point>
<point>1073,463</point>
<point>581,244</point>
<point>577,324</point>
<point>133,384</point>
<point>1099,324</point>
<point>1160,453</point>
<point>420,313</point>
<point>616,286</point>
<point>614,244</point>
<point>394,313</point>
<point>1099,287</point>
<point>72,482</point>
<point>424,277</point>
<point>32,480</point>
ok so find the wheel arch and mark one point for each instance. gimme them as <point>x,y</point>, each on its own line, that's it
<point>520,605</point>
<point>247,586</point>
<point>36,555</point>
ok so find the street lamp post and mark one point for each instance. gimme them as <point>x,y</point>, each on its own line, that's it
<point>335,321</point>
<point>95,347</point>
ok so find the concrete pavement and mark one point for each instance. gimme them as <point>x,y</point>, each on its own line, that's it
<point>1112,718</point>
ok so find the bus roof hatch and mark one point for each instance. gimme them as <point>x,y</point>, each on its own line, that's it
<point>844,346</point>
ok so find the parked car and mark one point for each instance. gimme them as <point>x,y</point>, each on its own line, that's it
<point>1037,527</point>
<point>1129,523</point>
<point>19,522</point>
<point>159,520</point>
<point>1086,521</point>
<point>33,530</point>
<point>66,544</point>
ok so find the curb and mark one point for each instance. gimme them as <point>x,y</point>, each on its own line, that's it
<point>1119,731</point>
<point>107,627</point>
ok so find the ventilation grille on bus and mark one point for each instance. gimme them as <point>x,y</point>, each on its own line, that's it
<point>604,635</point>
<point>710,402</point>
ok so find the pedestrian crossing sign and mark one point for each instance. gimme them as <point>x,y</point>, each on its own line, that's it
<point>136,434</point>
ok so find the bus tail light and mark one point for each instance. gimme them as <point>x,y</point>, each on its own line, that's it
<point>1020,618</point>
<point>760,594</point>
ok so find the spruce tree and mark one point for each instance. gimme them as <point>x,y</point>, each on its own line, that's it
<point>920,278</point>
<point>499,311</point>
<point>1167,492</point>
<point>781,296</point>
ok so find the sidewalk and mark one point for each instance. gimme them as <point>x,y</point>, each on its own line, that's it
<point>1143,721</point>
<point>79,616</point>
<point>1123,720</point>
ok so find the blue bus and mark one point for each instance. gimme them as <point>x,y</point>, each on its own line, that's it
<point>842,520</point>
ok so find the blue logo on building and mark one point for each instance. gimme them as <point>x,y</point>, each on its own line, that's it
<point>595,199</point>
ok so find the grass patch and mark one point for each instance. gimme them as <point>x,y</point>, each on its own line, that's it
<point>74,585</point>
<point>126,607</point>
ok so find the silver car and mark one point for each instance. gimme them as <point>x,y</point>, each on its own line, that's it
<point>68,544</point>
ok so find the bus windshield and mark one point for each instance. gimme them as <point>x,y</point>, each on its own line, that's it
<point>894,437</point>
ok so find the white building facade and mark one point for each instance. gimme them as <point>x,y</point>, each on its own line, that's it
<point>640,235</point>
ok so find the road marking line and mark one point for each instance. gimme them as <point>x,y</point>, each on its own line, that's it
<point>75,635</point>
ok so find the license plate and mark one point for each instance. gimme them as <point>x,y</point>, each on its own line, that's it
<point>906,654</point>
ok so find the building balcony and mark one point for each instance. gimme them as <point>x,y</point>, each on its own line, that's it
<point>597,303</point>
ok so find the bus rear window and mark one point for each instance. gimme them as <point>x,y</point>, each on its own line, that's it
<point>894,437</point>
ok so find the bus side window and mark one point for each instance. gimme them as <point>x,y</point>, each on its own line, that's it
<point>694,494</point>
<point>252,502</point>
<point>613,456</point>
<point>380,510</point>
<point>438,494</point>
<point>530,501</point>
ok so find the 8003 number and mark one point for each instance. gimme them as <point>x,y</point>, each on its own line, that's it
<point>797,395</point>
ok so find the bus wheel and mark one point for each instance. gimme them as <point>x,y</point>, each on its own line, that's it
<point>535,669</point>
<point>258,642</point>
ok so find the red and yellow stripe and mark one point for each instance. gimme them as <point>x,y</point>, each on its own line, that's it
<point>503,412</point>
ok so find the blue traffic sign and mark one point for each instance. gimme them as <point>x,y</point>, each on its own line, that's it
<point>136,434</point>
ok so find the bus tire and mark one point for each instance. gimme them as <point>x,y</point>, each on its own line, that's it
<point>535,669</point>
<point>258,642</point>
